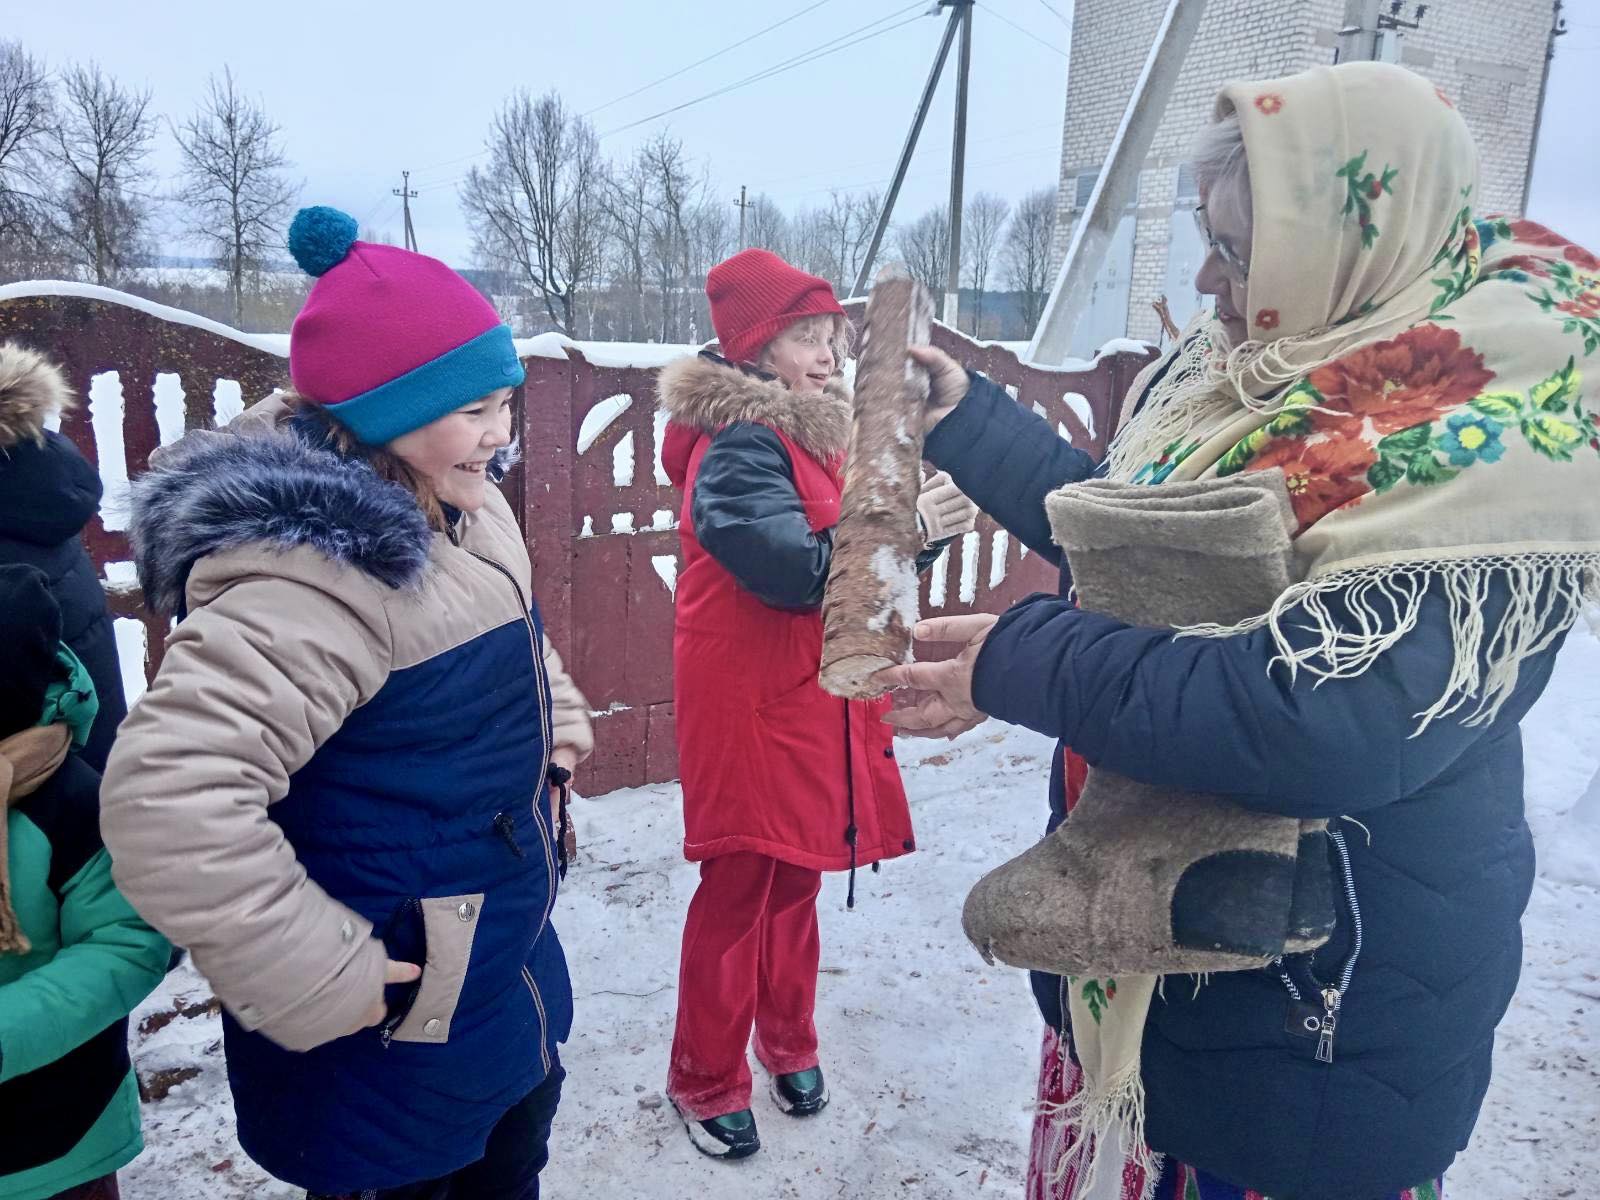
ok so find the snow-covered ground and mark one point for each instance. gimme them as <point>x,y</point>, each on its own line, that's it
<point>930,1054</point>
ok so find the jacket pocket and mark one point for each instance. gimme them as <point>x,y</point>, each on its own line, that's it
<point>450,924</point>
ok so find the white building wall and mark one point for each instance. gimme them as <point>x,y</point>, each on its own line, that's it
<point>1487,54</point>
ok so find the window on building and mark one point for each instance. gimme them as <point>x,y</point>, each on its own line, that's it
<point>1188,189</point>
<point>1086,182</point>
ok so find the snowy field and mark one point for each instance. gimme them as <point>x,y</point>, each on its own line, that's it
<point>930,1054</point>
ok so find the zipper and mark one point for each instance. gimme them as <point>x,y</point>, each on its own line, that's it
<point>540,818</point>
<point>1332,994</point>
<point>387,1031</point>
<point>544,1021</point>
<point>851,834</point>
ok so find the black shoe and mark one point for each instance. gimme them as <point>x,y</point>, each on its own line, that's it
<point>800,1093</point>
<point>731,1136</point>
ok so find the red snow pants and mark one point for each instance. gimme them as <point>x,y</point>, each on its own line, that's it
<point>750,956</point>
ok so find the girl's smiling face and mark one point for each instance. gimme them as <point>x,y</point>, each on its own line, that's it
<point>802,355</point>
<point>453,453</point>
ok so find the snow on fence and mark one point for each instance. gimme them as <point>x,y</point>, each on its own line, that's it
<point>595,505</point>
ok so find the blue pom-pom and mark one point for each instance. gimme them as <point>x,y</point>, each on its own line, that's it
<point>320,237</point>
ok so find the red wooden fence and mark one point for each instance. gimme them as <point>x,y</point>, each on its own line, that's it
<point>602,536</point>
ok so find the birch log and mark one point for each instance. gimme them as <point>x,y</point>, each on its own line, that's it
<point>870,605</point>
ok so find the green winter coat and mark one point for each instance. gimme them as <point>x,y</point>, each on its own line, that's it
<point>69,1103</point>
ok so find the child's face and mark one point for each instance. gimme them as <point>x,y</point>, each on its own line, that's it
<point>802,355</point>
<point>453,452</point>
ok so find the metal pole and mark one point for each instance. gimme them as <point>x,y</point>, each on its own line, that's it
<point>1118,183</point>
<point>1557,29</point>
<point>887,212</point>
<point>406,196</point>
<point>1359,39</point>
<point>743,205</point>
<point>958,170</point>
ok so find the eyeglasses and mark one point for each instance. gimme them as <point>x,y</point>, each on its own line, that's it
<point>1230,260</point>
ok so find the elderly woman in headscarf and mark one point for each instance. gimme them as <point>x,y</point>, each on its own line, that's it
<point>1419,378</point>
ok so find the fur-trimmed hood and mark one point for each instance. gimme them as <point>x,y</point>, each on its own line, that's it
<point>707,393</point>
<point>31,388</point>
<point>211,492</point>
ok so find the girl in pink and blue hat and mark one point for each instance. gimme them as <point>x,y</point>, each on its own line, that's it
<point>337,791</point>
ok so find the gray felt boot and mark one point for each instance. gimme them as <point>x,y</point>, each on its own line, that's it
<point>1142,879</point>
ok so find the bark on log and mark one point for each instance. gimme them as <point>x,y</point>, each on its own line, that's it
<point>870,605</point>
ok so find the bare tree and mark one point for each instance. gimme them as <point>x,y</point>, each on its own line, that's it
<point>924,247</point>
<point>101,141</point>
<point>233,183</point>
<point>712,235</point>
<point>848,222</point>
<point>1027,252</point>
<point>767,226</point>
<point>810,245</point>
<point>26,115</point>
<point>625,199</point>
<point>672,196</point>
<point>535,208</point>
<point>980,235</point>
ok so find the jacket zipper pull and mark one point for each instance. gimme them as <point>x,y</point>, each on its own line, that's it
<point>1330,1019</point>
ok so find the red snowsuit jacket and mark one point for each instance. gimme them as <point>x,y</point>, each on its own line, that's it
<point>770,762</point>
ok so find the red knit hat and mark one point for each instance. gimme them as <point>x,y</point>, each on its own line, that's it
<point>755,296</point>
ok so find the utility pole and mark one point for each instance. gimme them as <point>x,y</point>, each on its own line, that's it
<point>1372,35</point>
<point>886,214</point>
<point>1558,28</point>
<point>1358,40</point>
<point>742,205</point>
<point>406,197</point>
<point>958,164</point>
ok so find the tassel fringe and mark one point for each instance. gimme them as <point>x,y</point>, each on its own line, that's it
<point>1101,1124</point>
<point>1548,591</point>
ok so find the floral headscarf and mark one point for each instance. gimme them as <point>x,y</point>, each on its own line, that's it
<point>1419,376</point>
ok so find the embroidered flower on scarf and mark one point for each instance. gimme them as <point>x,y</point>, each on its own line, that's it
<point>1362,191</point>
<point>1524,265</point>
<point>1171,459</point>
<point>1270,104</point>
<point>1534,234</point>
<point>1472,437</point>
<point>1416,377</point>
<point>1583,305</point>
<point>1322,475</point>
<point>1267,318</point>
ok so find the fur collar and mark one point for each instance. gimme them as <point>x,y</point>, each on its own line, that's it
<point>31,388</point>
<point>211,492</point>
<point>708,393</point>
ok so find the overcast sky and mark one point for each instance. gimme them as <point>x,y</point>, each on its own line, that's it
<point>365,91</point>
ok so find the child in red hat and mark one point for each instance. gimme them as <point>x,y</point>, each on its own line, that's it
<point>781,781</point>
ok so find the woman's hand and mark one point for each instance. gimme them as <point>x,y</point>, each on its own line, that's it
<point>949,383</point>
<point>393,972</point>
<point>941,702</point>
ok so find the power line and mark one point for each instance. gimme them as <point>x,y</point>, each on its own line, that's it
<point>815,54</point>
<point>450,162</point>
<point>708,58</point>
<point>1027,33</point>
<point>1056,13</point>
<point>763,184</point>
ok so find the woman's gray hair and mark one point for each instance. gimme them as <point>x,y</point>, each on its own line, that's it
<point>1218,156</point>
